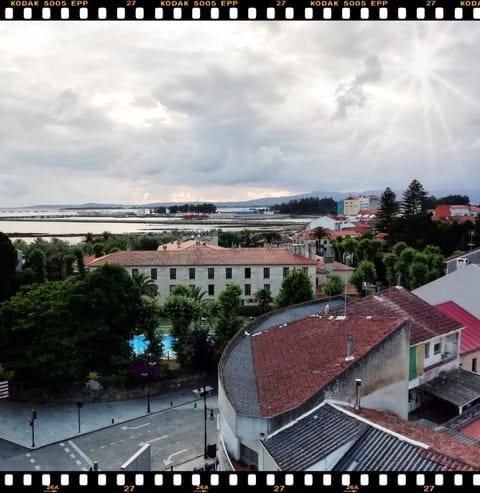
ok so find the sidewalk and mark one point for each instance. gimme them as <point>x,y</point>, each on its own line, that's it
<point>60,422</point>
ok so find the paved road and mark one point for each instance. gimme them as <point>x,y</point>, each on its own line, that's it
<point>174,429</point>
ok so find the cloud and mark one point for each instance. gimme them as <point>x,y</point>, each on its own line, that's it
<point>110,112</point>
<point>352,95</point>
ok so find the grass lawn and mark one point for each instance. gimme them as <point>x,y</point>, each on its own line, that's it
<point>171,364</point>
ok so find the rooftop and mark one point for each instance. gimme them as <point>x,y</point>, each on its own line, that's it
<point>236,368</point>
<point>366,440</point>
<point>200,254</point>
<point>291,364</point>
<point>426,321</point>
<point>182,245</point>
<point>470,340</point>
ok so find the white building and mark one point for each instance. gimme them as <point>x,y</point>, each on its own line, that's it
<point>211,268</point>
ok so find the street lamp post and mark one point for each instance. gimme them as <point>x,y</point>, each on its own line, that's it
<point>205,409</point>
<point>32,425</point>
<point>79,405</point>
<point>146,375</point>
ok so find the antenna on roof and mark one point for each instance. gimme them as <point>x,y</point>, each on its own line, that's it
<point>349,356</point>
<point>358,383</point>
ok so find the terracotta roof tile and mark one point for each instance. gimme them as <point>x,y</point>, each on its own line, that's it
<point>426,321</point>
<point>450,452</point>
<point>470,340</point>
<point>173,245</point>
<point>204,255</point>
<point>291,363</point>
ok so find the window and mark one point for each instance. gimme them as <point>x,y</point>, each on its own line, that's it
<point>211,273</point>
<point>153,273</point>
<point>173,273</point>
<point>266,287</point>
<point>436,348</point>
<point>228,273</point>
<point>427,349</point>
<point>191,273</point>
<point>248,273</point>
<point>474,364</point>
<point>266,272</point>
<point>248,289</point>
<point>285,272</point>
<point>134,271</point>
<point>211,290</point>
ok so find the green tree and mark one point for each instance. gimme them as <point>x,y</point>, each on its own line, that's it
<point>8,265</point>
<point>391,274</point>
<point>264,298</point>
<point>145,285</point>
<point>37,261</point>
<point>334,285</point>
<point>413,199</point>
<point>295,288</point>
<point>227,321</point>
<point>387,212</point>
<point>182,311</point>
<point>364,276</point>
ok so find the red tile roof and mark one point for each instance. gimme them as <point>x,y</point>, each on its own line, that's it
<point>291,363</point>
<point>426,321</point>
<point>470,340</point>
<point>452,453</point>
<point>173,245</point>
<point>204,255</point>
<point>88,259</point>
<point>442,211</point>
<point>337,266</point>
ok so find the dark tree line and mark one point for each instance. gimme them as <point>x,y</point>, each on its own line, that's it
<point>307,206</point>
<point>205,208</point>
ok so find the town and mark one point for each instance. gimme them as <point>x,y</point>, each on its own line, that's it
<point>350,341</point>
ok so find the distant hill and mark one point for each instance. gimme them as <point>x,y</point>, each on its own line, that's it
<point>261,202</point>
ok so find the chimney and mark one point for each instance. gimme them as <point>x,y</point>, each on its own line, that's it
<point>349,356</point>
<point>358,383</point>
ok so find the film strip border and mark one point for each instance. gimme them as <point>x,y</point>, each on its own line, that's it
<point>279,482</point>
<point>239,10</point>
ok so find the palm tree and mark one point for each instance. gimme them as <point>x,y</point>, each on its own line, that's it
<point>146,286</point>
<point>319,234</point>
<point>263,297</point>
<point>198,295</point>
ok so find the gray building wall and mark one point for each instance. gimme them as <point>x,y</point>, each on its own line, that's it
<point>461,286</point>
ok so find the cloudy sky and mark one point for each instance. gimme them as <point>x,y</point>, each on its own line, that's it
<point>143,112</point>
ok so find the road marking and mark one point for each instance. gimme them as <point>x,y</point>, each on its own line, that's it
<point>169,459</point>
<point>37,467</point>
<point>102,446</point>
<point>33,461</point>
<point>62,444</point>
<point>78,462</point>
<point>28,455</point>
<point>112,443</point>
<point>67,449</point>
<point>133,436</point>
<point>81,453</point>
<point>122,439</point>
<point>92,450</point>
<point>152,440</point>
<point>134,427</point>
<point>72,456</point>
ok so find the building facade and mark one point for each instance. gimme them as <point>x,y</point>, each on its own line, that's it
<point>212,268</point>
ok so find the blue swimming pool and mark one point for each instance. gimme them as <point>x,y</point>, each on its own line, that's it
<point>139,344</point>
